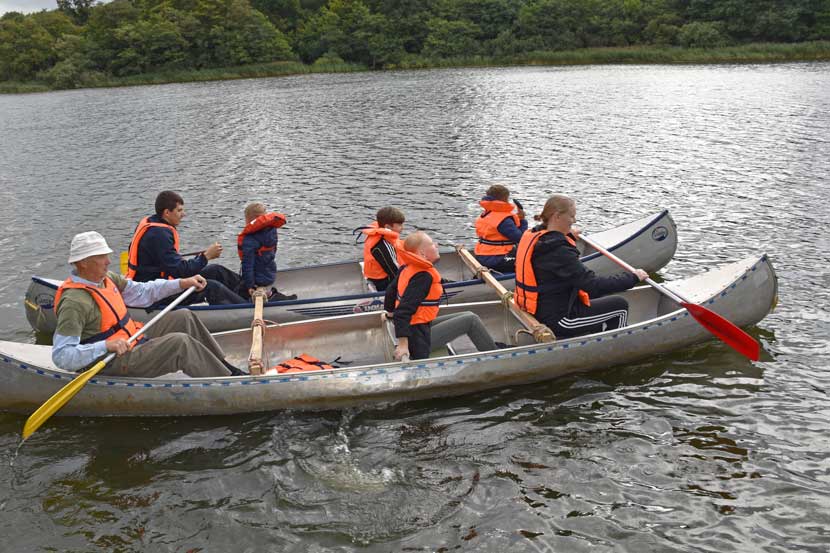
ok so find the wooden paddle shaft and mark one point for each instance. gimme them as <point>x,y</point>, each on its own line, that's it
<point>540,332</point>
<point>255,358</point>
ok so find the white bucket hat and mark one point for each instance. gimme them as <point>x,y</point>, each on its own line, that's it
<point>87,244</point>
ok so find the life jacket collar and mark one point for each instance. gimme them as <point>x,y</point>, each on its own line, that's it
<point>487,203</point>
<point>264,221</point>
<point>415,260</point>
<point>376,230</point>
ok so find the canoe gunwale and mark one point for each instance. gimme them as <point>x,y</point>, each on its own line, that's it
<point>650,222</point>
<point>392,367</point>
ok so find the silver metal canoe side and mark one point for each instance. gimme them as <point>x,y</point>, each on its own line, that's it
<point>744,292</point>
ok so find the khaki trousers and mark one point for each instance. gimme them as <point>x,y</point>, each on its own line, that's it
<point>178,342</point>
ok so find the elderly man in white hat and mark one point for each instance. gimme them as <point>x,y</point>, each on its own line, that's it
<point>93,320</point>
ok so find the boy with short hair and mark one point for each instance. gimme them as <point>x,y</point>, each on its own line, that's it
<point>382,247</point>
<point>257,248</point>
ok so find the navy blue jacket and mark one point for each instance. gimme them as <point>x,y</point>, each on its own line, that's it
<point>259,269</point>
<point>560,275</point>
<point>157,253</point>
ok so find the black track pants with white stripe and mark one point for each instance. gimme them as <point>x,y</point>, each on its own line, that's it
<point>605,313</point>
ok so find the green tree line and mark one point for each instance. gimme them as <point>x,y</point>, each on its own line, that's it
<point>82,40</point>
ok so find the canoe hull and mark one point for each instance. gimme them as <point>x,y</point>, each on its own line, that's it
<point>744,292</point>
<point>649,242</point>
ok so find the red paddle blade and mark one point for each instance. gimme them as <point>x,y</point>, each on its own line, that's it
<point>727,331</point>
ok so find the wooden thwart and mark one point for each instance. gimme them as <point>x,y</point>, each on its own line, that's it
<point>255,364</point>
<point>540,332</point>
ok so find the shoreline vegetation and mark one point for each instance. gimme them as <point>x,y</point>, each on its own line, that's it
<point>631,55</point>
<point>114,43</point>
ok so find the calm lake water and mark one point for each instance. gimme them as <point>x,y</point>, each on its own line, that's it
<point>696,451</point>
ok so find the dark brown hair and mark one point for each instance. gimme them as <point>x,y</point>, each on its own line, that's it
<point>499,192</point>
<point>167,200</point>
<point>389,216</point>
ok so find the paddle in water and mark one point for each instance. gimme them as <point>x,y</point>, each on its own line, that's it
<point>62,396</point>
<point>725,330</point>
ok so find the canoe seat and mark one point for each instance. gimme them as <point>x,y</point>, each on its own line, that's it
<point>389,332</point>
<point>368,285</point>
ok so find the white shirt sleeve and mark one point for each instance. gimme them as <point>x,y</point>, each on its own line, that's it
<point>69,354</point>
<point>145,294</point>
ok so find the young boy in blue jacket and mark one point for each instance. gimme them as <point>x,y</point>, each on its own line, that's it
<point>257,247</point>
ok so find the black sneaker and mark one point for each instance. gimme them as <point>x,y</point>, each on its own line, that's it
<point>502,345</point>
<point>234,370</point>
<point>278,296</point>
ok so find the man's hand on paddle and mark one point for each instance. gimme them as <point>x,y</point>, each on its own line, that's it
<point>213,251</point>
<point>118,346</point>
<point>198,281</point>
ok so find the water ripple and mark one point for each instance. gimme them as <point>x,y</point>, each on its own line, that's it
<point>696,450</point>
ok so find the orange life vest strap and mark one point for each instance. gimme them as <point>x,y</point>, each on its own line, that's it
<point>527,291</point>
<point>115,320</point>
<point>583,295</point>
<point>374,234</point>
<point>428,309</point>
<point>490,240</point>
<point>132,251</point>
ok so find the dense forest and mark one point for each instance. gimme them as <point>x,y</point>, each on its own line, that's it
<point>82,40</point>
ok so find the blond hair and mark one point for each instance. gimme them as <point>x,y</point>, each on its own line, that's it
<point>254,210</point>
<point>556,205</point>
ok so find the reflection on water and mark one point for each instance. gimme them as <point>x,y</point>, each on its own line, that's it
<point>696,450</point>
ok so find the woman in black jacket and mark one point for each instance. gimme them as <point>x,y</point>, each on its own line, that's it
<point>554,285</point>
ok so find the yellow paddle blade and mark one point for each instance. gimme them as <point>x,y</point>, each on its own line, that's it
<point>60,398</point>
<point>123,259</point>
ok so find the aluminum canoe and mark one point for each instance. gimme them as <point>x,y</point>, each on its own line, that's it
<point>743,292</point>
<point>340,289</point>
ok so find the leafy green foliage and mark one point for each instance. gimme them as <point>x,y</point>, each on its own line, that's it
<point>83,42</point>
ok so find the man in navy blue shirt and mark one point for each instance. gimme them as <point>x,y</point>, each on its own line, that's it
<point>154,253</point>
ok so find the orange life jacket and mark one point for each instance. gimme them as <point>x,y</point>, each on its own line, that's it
<point>490,240</point>
<point>428,309</point>
<point>143,226</point>
<point>115,318</point>
<point>526,294</point>
<point>302,363</point>
<point>374,234</point>
<point>264,221</point>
